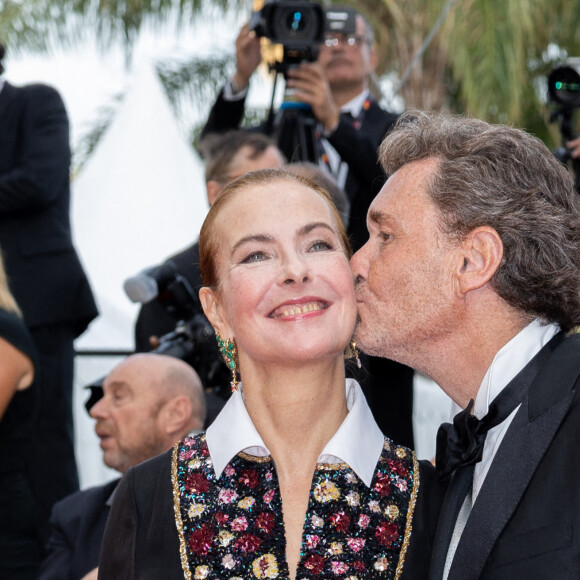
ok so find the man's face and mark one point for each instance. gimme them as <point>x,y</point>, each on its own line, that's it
<point>404,273</point>
<point>127,417</point>
<point>348,66</point>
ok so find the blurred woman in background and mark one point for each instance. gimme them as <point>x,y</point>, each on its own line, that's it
<point>19,545</point>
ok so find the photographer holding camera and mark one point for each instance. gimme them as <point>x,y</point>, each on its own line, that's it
<point>336,87</point>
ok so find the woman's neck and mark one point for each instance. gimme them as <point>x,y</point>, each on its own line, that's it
<point>297,411</point>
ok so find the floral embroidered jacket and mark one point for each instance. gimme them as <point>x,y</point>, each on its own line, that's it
<point>232,528</point>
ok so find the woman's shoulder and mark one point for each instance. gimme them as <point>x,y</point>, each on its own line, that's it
<point>161,464</point>
<point>398,458</point>
<point>402,464</point>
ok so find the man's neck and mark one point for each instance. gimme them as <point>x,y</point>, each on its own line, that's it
<point>343,95</point>
<point>460,360</point>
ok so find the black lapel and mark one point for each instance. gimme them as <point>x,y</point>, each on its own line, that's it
<point>375,124</point>
<point>519,454</point>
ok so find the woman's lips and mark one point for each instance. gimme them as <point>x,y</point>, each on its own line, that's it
<point>287,310</point>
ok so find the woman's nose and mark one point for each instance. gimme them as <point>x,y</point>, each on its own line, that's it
<point>294,271</point>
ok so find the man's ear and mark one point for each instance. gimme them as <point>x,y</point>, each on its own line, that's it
<point>213,191</point>
<point>213,310</point>
<point>482,252</point>
<point>176,415</point>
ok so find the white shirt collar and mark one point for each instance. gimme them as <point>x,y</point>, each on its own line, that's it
<point>354,106</point>
<point>358,441</point>
<point>509,361</point>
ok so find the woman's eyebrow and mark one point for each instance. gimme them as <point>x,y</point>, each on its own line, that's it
<point>253,238</point>
<point>266,238</point>
<point>309,227</point>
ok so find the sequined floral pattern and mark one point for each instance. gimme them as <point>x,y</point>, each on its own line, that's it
<point>231,528</point>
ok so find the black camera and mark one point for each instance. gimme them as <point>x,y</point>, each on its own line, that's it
<point>193,338</point>
<point>564,99</point>
<point>564,87</point>
<point>298,25</point>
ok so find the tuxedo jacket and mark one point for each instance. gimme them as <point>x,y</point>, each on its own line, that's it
<point>43,269</point>
<point>77,525</point>
<point>525,522</point>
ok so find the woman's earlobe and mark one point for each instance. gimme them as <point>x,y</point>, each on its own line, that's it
<point>211,308</point>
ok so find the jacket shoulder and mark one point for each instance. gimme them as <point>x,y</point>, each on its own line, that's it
<point>80,499</point>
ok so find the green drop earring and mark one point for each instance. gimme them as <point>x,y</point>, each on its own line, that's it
<point>229,351</point>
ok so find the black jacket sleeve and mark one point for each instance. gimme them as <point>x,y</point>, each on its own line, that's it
<point>42,160</point>
<point>224,115</point>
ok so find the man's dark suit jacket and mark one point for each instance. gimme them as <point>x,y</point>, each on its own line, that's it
<point>388,385</point>
<point>77,525</point>
<point>43,269</point>
<point>525,522</point>
<point>44,272</point>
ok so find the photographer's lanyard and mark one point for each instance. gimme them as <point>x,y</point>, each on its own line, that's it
<point>330,157</point>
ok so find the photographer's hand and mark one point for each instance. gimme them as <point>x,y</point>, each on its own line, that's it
<point>311,87</point>
<point>574,147</point>
<point>248,57</point>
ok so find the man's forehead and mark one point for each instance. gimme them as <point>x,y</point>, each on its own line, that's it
<point>113,382</point>
<point>404,189</point>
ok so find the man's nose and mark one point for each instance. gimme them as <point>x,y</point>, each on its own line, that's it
<point>98,410</point>
<point>359,264</point>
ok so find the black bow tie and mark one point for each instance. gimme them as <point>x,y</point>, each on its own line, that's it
<point>461,443</point>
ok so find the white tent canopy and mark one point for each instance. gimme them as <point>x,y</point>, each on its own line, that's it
<point>140,198</point>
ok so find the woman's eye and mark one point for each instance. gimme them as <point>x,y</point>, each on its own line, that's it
<point>320,245</point>
<point>254,257</point>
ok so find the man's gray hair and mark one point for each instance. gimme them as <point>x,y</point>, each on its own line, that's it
<point>504,178</point>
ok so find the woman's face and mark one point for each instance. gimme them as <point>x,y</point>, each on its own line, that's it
<point>286,290</point>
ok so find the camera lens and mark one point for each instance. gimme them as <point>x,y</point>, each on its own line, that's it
<point>296,22</point>
<point>564,86</point>
<point>291,25</point>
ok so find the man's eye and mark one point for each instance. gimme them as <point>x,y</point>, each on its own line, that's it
<point>254,257</point>
<point>320,245</point>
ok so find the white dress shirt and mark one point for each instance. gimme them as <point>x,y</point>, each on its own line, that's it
<point>358,442</point>
<point>507,363</point>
